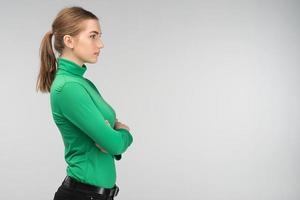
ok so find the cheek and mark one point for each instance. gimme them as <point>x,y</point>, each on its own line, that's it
<point>84,47</point>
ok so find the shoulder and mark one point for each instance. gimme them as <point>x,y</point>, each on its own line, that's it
<point>67,87</point>
<point>64,91</point>
<point>71,93</point>
<point>73,88</point>
<point>62,82</point>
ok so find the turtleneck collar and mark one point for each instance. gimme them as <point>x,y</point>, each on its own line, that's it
<point>70,66</point>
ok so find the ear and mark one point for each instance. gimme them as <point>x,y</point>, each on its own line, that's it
<point>69,41</point>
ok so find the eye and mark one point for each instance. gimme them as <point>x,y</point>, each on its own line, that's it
<point>93,36</point>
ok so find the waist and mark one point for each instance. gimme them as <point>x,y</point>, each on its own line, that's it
<point>93,167</point>
<point>71,183</point>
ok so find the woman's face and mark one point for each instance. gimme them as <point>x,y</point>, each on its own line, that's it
<point>87,44</point>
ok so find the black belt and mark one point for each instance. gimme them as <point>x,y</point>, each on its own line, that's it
<point>72,183</point>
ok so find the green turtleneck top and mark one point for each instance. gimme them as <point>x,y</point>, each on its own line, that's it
<point>80,113</point>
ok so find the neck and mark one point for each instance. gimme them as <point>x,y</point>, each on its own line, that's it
<point>72,58</point>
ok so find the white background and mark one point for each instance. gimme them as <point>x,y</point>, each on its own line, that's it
<point>209,89</point>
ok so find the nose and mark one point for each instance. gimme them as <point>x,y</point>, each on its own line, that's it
<point>100,44</point>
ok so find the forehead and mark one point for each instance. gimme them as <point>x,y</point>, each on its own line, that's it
<point>91,25</point>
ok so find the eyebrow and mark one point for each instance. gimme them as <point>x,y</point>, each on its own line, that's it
<point>96,32</point>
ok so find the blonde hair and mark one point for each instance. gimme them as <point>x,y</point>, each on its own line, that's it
<point>67,22</point>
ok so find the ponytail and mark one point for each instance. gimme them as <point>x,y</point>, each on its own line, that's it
<point>67,22</point>
<point>47,64</point>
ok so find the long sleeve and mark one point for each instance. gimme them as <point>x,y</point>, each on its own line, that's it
<point>78,107</point>
<point>117,157</point>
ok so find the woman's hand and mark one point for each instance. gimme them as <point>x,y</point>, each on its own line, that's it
<point>119,125</point>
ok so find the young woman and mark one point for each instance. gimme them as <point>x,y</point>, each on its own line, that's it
<point>92,136</point>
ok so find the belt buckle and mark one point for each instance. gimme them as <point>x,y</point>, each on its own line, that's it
<point>116,191</point>
<point>100,190</point>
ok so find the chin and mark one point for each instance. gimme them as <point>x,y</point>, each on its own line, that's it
<point>92,61</point>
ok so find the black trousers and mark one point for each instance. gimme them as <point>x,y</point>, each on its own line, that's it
<point>64,193</point>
